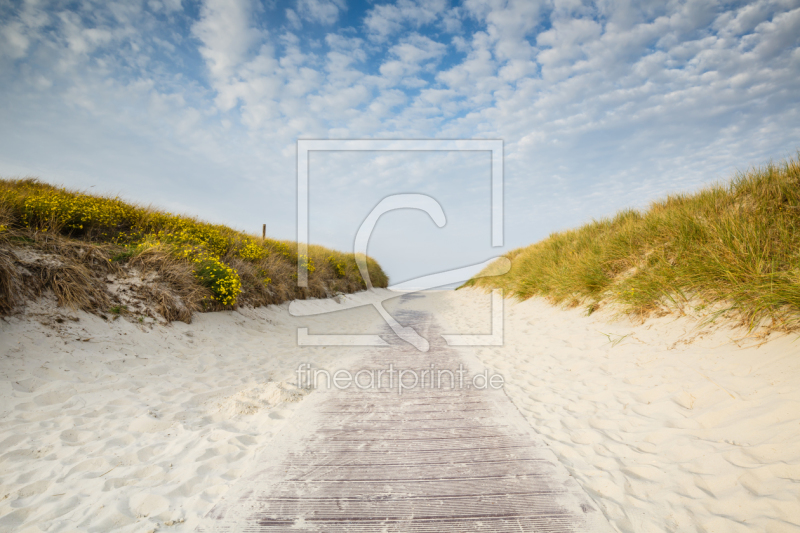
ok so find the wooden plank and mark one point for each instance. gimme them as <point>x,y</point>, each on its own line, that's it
<point>429,460</point>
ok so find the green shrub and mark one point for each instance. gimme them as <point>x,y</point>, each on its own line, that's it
<point>219,278</point>
<point>338,268</point>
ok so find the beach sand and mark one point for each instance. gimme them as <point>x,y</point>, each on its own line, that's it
<point>131,426</point>
<point>668,425</point>
<point>128,426</point>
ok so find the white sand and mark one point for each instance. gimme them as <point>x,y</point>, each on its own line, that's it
<point>673,428</point>
<point>131,427</point>
<point>139,427</point>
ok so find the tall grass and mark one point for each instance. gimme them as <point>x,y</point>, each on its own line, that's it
<point>736,245</point>
<point>206,266</point>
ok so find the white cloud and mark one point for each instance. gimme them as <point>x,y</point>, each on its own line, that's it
<point>510,27</point>
<point>226,34</point>
<point>416,49</point>
<point>14,41</point>
<point>165,5</point>
<point>566,45</point>
<point>342,102</point>
<point>172,5</point>
<point>293,20</point>
<point>81,40</point>
<point>320,11</point>
<point>451,20</point>
<point>415,53</point>
<point>476,74</point>
<point>744,20</point>
<point>778,36</point>
<point>352,46</point>
<point>385,20</point>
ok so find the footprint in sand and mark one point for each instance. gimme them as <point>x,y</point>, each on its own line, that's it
<point>53,397</point>
<point>144,504</point>
<point>74,437</point>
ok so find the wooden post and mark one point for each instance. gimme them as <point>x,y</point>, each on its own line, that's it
<point>264,232</point>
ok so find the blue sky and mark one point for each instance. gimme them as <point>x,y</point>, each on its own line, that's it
<point>196,107</point>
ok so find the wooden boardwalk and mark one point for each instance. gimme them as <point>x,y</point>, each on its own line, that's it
<point>429,460</point>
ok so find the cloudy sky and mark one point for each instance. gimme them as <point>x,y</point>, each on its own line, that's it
<point>196,107</point>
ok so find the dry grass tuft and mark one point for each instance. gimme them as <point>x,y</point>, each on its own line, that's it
<point>75,286</point>
<point>9,283</point>
<point>174,291</point>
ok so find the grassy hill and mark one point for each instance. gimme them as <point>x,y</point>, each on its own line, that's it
<point>101,254</point>
<point>734,245</point>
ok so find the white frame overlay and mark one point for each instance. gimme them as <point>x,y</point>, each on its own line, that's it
<point>304,146</point>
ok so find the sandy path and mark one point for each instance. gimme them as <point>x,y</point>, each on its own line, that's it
<point>428,460</point>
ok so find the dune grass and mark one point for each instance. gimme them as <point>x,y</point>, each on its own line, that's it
<point>733,245</point>
<point>205,266</point>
